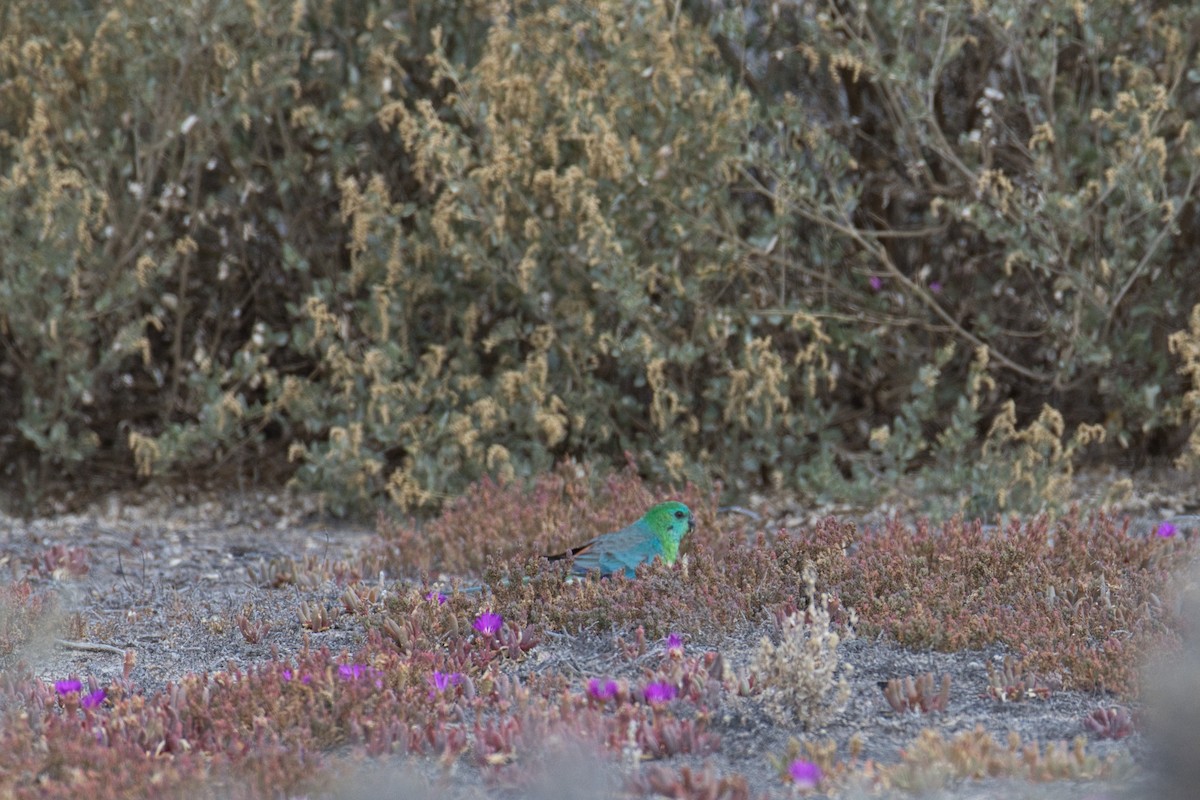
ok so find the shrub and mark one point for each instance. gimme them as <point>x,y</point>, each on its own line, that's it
<point>989,174</point>
<point>411,247</point>
<point>800,676</point>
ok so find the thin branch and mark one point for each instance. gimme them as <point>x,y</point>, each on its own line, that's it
<point>1144,263</point>
<point>918,291</point>
<point>92,647</point>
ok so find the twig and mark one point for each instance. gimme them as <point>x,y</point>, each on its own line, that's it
<point>94,647</point>
<point>745,512</point>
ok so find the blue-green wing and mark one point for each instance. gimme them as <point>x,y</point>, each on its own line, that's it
<point>619,551</point>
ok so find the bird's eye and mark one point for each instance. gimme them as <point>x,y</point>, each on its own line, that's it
<point>678,515</point>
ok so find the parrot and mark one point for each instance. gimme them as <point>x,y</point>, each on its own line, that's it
<point>656,535</point>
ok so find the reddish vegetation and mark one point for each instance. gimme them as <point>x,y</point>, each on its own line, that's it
<point>1080,600</point>
<point>1076,601</point>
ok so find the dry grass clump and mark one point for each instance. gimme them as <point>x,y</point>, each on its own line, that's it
<point>801,677</point>
<point>933,761</point>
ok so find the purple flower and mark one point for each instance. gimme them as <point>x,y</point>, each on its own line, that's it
<point>93,699</point>
<point>805,774</point>
<point>488,623</point>
<point>67,686</point>
<point>1166,530</point>
<point>602,690</point>
<point>674,645</point>
<point>658,692</point>
<point>351,672</point>
<point>876,283</point>
<point>438,596</point>
<point>441,681</point>
<point>287,674</point>
<point>935,287</point>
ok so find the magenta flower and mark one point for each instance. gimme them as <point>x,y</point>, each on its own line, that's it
<point>805,774</point>
<point>876,283</point>
<point>935,287</point>
<point>93,699</point>
<point>441,681</point>
<point>1166,530</point>
<point>488,623</point>
<point>286,674</point>
<point>67,686</point>
<point>351,672</point>
<point>438,596</point>
<point>674,645</point>
<point>602,690</point>
<point>658,692</point>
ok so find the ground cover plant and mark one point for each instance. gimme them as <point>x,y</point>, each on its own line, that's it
<point>753,628</point>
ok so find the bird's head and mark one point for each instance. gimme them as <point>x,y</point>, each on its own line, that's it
<point>671,518</point>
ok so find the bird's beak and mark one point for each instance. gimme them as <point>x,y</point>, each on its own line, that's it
<point>691,525</point>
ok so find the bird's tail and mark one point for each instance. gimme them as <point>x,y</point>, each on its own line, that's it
<point>574,551</point>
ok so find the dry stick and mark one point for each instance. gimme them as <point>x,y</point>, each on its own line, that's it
<point>745,512</point>
<point>94,647</point>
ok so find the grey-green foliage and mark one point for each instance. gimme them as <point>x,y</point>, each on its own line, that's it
<point>55,294</point>
<point>170,185</point>
<point>568,282</point>
<point>811,246</point>
<point>1014,175</point>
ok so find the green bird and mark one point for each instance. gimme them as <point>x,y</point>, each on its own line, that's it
<point>656,535</point>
